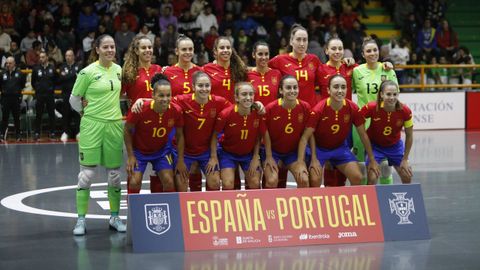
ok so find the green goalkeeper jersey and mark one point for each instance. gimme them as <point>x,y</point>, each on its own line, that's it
<point>366,82</point>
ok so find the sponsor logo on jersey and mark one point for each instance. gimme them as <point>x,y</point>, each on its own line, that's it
<point>256,123</point>
<point>346,118</point>
<point>287,65</point>
<point>376,119</point>
<point>300,117</point>
<point>232,124</point>
<point>324,118</point>
<point>173,77</point>
<point>147,122</point>
<point>276,118</point>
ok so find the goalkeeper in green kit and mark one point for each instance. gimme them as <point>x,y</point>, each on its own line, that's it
<point>96,96</point>
<point>366,80</point>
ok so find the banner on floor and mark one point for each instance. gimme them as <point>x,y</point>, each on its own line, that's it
<point>276,217</point>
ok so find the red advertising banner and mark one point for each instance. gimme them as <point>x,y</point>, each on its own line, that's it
<point>274,218</point>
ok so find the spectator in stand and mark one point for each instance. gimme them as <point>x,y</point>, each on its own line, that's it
<point>87,20</point>
<point>270,14</point>
<point>206,20</point>
<point>402,10</point>
<point>7,19</point>
<point>426,42</point>
<point>447,39</point>
<point>233,6</point>
<point>166,19</point>
<point>87,44</point>
<point>399,55</point>
<point>210,37</point>
<point>15,52</point>
<point>160,53</point>
<point>46,36</point>
<point>54,53</point>
<point>242,38</point>
<point>347,17</point>
<point>355,37</point>
<point>186,22</point>
<point>179,6</point>
<point>305,9</point>
<point>462,75</point>
<point>65,21</point>
<point>438,75</point>
<point>33,55</point>
<point>201,56</point>
<point>145,31</point>
<point>332,33</point>
<point>134,7</point>
<point>107,21</point>
<point>169,38</point>
<point>435,12</point>
<point>123,38</point>
<point>276,36</point>
<point>197,7</point>
<point>410,29</point>
<point>219,6</point>
<point>102,7</point>
<point>325,6</point>
<point>256,10</point>
<point>124,16</point>
<point>5,41</point>
<point>27,41</point>
<point>150,19</point>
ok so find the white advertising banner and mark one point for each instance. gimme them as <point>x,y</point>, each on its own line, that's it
<point>435,110</point>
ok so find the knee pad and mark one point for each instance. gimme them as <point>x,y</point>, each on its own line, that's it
<point>113,176</point>
<point>85,177</point>
<point>385,170</point>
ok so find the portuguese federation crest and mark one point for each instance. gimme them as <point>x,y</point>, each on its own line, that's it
<point>402,207</point>
<point>157,218</point>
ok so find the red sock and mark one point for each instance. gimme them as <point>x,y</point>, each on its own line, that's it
<point>195,182</point>
<point>131,190</point>
<point>238,183</point>
<point>282,177</point>
<point>340,177</point>
<point>169,190</point>
<point>329,179</point>
<point>155,184</point>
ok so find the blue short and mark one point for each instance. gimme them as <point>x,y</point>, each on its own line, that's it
<point>230,160</point>
<point>336,156</point>
<point>287,158</point>
<point>161,160</point>
<point>393,153</point>
<point>202,160</point>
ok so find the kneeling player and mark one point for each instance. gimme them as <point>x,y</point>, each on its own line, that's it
<point>388,117</point>
<point>146,136</point>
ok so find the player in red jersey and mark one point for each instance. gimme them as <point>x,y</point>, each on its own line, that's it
<point>299,64</point>
<point>330,123</point>
<point>239,144</point>
<point>227,69</point>
<point>265,80</point>
<point>286,119</point>
<point>388,117</point>
<point>200,109</point>
<point>137,72</point>
<point>146,136</point>
<point>180,76</point>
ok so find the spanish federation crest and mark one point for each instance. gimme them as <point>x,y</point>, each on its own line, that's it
<point>402,207</point>
<point>157,218</point>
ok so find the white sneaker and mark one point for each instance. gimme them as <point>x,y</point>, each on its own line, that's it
<point>64,137</point>
<point>117,224</point>
<point>58,114</point>
<point>80,227</point>
<point>78,136</point>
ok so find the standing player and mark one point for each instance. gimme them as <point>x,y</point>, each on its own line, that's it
<point>366,80</point>
<point>137,73</point>
<point>299,64</point>
<point>180,76</point>
<point>200,110</point>
<point>330,123</point>
<point>227,69</point>
<point>388,117</point>
<point>101,129</point>
<point>286,119</point>
<point>240,142</point>
<point>265,80</point>
<point>146,136</point>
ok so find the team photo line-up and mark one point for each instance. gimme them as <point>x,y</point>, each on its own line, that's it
<point>289,113</point>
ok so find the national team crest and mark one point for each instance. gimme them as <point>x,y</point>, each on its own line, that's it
<point>157,218</point>
<point>399,123</point>
<point>274,80</point>
<point>300,117</point>
<point>256,123</point>
<point>346,118</point>
<point>311,66</point>
<point>213,112</point>
<point>171,122</point>
<point>383,78</point>
<point>402,207</point>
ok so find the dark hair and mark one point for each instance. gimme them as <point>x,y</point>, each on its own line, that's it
<point>383,85</point>
<point>333,77</point>
<point>96,44</point>
<point>332,39</point>
<point>369,40</point>
<point>182,37</point>
<point>260,43</point>
<point>158,80</point>
<point>240,84</point>
<point>238,67</point>
<point>282,81</point>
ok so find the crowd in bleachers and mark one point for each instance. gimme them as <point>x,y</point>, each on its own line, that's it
<point>29,27</point>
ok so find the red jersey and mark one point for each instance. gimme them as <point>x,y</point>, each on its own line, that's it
<point>332,127</point>
<point>199,121</point>
<point>285,126</point>
<point>141,88</point>
<point>222,84</point>
<point>265,85</point>
<point>152,128</point>
<point>325,71</point>
<point>304,70</point>
<point>180,80</point>
<point>385,127</point>
<point>240,133</point>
